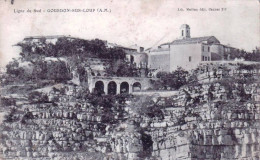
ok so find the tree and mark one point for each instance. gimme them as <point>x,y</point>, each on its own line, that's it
<point>15,73</point>
<point>66,46</point>
<point>40,70</point>
<point>37,97</point>
<point>145,105</point>
<point>125,69</point>
<point>7,101</point>
<point>175,79</point>
<point>58,71</point>
<point>13,68</point>
<point>11,117</point>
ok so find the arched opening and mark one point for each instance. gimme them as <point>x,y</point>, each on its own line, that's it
<point>111,89</point>
<point>136,86</point>
<point>131,59</point>
<point>124,87</point>
<point>99,87</point>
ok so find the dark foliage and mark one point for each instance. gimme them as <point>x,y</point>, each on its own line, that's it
<point>110,104</point>
<point>7,101</point>
<point>173,80</point>
<point>57,71</point>
<point>37,97</point>
<point>146,106</point>
<point>11,117</point>
<point>126,70</point>
<point>229,85</point>
<point>147,145</point>
<point>248,67</point>
<point>122,68</point>
<point>248,56</point>
<point>17,72</point>
<point>68,47</point>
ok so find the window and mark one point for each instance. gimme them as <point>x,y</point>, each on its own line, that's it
<point>189,58</point>
<point>209,58</point>
<point>202,48</point>
<point>182,32</point>
<point>202,58</point>
<point>206,58</point>
<point>208,49</point>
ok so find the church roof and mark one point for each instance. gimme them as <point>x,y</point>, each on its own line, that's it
<point>191,40</point>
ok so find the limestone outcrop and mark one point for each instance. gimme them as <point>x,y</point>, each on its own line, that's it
<point>212,120</point>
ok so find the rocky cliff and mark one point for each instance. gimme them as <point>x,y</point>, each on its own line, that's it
<point>219,127</point>
<point>209,120</point>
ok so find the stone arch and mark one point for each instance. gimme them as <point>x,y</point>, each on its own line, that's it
<point>137,86</point>
<point>99,87</point>
<point>112,88</point>
<point>124,87</point>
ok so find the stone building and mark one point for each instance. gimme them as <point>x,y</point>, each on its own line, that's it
<point>186,52</point>
<point>96,76</point>
<point>134,54</point>
<point>100,82</point>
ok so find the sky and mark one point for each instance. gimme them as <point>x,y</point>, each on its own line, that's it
<point>147,23</point>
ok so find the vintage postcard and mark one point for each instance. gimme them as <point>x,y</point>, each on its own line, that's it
<point>129,80</point>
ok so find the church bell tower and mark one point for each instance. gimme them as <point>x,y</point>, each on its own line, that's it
<point>185,31</point>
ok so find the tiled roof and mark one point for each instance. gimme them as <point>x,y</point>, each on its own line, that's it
<point>189,40</point>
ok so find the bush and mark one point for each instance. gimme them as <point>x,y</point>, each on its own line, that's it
<point>7,101</point>
<point>173,80</point>
<point>11,117</point>
<point>145,106</point>
<point>66,46</point>
<point>58,71</point>
<point>37,97</point>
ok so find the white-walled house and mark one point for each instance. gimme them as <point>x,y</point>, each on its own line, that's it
<point>186,52</point>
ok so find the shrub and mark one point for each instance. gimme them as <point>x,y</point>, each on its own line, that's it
<point>7,101</point>
<point>173,80</point>
<point>37,97</point>
<point>11,117</point>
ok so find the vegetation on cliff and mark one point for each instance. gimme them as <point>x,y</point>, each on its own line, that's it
<point>173,80</point>
<point>48,116</point>
<point>248,56</point>
<point>68,47</point>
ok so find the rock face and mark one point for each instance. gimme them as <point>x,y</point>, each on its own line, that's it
<point>48,130</point>
<point>126,141</point>
<point>218,129</point>
<point>204,121</point>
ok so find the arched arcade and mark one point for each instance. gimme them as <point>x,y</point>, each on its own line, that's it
<point>112,87</point>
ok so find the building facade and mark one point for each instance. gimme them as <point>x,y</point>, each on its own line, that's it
<point>186,52</point>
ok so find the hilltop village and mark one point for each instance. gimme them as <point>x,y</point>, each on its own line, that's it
<point>71,98</point>
<point>118,69</point>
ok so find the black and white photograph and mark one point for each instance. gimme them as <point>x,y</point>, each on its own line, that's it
<point>129,80</point>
